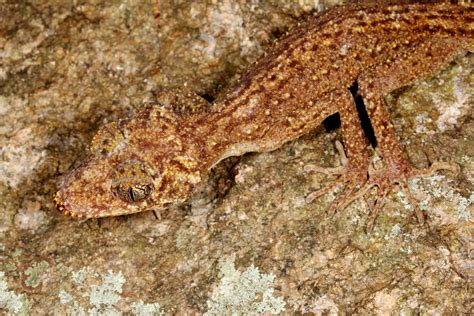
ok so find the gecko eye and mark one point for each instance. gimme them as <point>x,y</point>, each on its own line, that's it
<point>133,193</point>
<point>131,182</point>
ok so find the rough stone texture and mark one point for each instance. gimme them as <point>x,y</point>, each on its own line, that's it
<point>65,70</point>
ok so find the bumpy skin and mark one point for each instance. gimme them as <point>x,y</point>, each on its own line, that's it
<point>156,158</point>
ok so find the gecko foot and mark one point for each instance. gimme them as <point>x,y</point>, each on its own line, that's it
<point>357,183</point>
<point>399,173</point>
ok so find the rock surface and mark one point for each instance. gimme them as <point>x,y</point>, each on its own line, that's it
<point>258,247</point>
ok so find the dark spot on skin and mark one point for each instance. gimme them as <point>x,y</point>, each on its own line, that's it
<point>451,32</point>
<point>260,90</point>
<point>421,9</point>
<point>272,77</point>
<point>424,29</point>
<point>295,64</point>
<point>281,84</point>
<point>461,31</point>
<point>123,123</point>
<point>444,11</point>
<point>431,17</point>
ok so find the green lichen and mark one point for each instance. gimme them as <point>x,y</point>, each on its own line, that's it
<point>17,252</point>
<point>63,270</point>
<point>243,293</point>
<point>36,273</point>
<point>9,267</point>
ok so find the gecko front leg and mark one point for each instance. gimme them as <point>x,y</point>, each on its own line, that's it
<point>353,175</point>
<point>381,81</point>
<point>397,169</point>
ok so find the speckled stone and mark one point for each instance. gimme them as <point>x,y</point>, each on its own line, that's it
<point>66,70</point>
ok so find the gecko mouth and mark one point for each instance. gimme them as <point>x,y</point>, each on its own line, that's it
<point>84,192</point>
<point>60,207</point>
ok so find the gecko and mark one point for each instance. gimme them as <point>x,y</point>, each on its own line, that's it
<point>160,155</point>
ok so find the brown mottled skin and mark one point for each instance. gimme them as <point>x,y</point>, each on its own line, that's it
<point>156,158</point>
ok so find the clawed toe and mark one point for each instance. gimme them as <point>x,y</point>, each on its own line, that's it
<point>353,183</point>
<point>435,166</point>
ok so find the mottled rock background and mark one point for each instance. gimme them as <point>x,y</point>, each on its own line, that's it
<point>66,68</point>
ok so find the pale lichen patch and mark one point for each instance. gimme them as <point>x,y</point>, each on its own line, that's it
<point>101,294</point>
<point>104,296</point>
<point>143,309</point>
<point>323,305</point>
<point>441,187</point>
<point>10,301</point>
<point>31,217</point>
<point>22,155</point>
<point>243,293</point>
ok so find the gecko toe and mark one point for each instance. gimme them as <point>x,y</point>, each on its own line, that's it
<point>354,183</point>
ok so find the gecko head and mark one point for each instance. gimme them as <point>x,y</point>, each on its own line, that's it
<point>143,163</point>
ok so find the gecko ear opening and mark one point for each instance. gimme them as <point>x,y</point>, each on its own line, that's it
<point>132,182</point>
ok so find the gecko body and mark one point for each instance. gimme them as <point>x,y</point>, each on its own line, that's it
<point>160,155</point>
